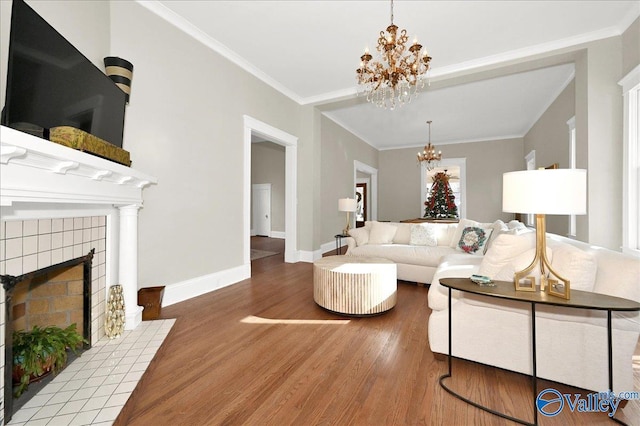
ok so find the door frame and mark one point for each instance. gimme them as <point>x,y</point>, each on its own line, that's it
<point>290,142</point>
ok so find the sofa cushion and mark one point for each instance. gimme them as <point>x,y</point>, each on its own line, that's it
<point>407,254</point>
<point>382,233</point>
<point>423,235</point>
<point>361,235</point>
<point>576,265</point>
<point>403,233</point>
<point>474,239</point>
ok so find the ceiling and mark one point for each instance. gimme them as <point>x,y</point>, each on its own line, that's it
<point>492,74</point>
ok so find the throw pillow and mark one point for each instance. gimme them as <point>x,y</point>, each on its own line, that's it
<point>518,263</point>
<point>361,235</point>
<point>503,250</point>
<point>463,223</point>
<point>403,234</point>
<point>474,239</point>
<point>423,235</point>
<point>382,233</point>
<point>575,265</point>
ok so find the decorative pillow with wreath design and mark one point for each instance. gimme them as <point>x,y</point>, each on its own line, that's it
<point>474,240</point>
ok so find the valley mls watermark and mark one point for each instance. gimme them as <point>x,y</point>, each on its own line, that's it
<point>550,402</point>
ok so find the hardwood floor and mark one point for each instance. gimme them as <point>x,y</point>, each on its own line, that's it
<point>261,352</point>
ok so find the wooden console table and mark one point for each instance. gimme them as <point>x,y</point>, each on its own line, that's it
<point>506,290</point>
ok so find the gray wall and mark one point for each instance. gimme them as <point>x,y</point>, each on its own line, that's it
<point>549,137</point>
<point>268,166</point>
<point>485,164</point>
<point>602,120</point>
<point>631,47</point>
<point>339,150</point>
<point>185,126</point>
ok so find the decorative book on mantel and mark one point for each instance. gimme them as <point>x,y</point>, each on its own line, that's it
<point>83,141</point>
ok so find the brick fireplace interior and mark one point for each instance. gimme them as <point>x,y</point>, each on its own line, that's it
<point>57,295</point>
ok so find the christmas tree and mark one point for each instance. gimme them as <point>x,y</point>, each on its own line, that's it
<point>441,202</point>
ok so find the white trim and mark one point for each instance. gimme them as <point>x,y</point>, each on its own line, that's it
<point>309,256</point>
<point>630,178</point>
<point>290,142</point>
<point>278,234</point>
<point>452,142</point>
<point>349,129</point>
<point>188,28</point>
<point>525,52</point>
<point>551,100</point>
<point>373,190</point>
<point>184,290</point>
<point>456,162</point>
<point>572,165</point>
<point>530,164</point>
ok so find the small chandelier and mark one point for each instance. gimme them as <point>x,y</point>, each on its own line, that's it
<point>396,78</point>
<point>429,156</point>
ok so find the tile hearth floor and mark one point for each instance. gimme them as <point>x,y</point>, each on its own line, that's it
<point>94,387</point>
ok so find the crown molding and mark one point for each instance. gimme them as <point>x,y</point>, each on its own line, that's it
<point>452,142</point>
<point>349,129</point>
<point>550,102</point>
<point>187,27</point>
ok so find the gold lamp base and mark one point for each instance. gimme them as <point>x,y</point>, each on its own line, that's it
<point>524,282</point>
<point>345,231</point>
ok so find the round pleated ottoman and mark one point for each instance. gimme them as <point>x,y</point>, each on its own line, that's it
<point>355,285</point>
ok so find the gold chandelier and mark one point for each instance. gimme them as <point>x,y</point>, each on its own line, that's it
<point>396,78</point>
<point>429,156</point>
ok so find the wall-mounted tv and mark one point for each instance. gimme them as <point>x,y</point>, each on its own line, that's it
<point>50,83</point>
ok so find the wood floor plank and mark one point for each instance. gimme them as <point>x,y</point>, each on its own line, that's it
<point>261,352</point>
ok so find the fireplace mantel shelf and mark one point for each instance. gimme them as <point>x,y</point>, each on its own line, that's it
<point>36,170</point>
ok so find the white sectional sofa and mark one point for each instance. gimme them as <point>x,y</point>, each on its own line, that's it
<point>571,343</point>
<point>416,262</point>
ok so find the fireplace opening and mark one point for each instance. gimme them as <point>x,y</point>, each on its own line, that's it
<point>58,295</point>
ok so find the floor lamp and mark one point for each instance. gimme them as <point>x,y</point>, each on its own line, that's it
<point>544,191</point>
<point>347,205</point>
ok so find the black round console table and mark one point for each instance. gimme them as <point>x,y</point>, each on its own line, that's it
<point>506,290</point>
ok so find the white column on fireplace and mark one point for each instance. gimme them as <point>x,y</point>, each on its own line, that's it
<point>128,275</point>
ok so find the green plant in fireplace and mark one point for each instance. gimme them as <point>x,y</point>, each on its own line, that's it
<point>40,351</point>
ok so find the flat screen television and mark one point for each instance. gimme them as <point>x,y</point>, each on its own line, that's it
<point>50,83</point>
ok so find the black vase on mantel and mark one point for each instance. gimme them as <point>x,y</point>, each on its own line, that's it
<point>120,71</point>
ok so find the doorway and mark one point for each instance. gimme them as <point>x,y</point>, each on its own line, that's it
<point>361,202</point>
<point>253,127</point>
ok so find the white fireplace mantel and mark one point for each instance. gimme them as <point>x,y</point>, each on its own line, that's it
<point>36,170</point>
<point>46,176</point>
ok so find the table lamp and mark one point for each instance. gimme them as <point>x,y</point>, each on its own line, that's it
<point>544,191</point>
<point>347,205</point>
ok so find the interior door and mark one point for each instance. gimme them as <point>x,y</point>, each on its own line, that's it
<point>262,209</point>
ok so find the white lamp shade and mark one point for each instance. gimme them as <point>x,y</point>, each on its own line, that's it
<point>347,204</point>
<point>552,191</point>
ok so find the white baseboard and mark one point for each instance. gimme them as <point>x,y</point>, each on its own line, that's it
<point>309,256</point>
<point>274,234</point>
<point>178,292</point>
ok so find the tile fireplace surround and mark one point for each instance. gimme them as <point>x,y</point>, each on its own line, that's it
<point>57,204</point>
